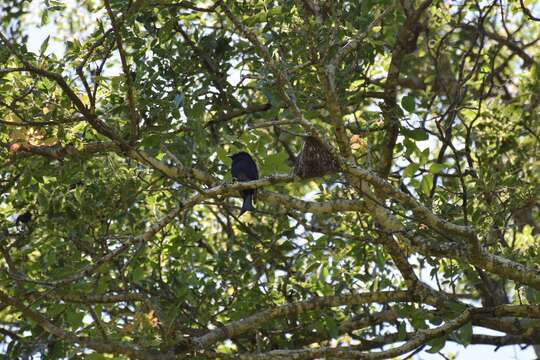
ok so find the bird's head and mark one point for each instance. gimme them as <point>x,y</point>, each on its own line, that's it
<point>240,155</point>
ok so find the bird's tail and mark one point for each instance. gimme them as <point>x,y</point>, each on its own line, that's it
<point>247,204</point>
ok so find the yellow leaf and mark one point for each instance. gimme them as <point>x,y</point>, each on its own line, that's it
<point>85,99</point>
<point>152,319</point>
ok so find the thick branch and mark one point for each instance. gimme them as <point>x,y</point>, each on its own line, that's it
<point>252,322</point>
<point>420,338</point>
<point>406,39</point>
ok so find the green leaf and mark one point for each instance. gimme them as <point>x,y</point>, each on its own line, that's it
<point>223,156</point>
<point>418,319</point>
<point>402,331</point>
<point>44,46</point>
<point>44,17</point>
<point>410,146</point>
<point>424,156</point>
<point>137,275</point>
<point>54,5</point>
<point>275,11</point>
<point>465,334</point>
<point>312,267</point>
<point>380,260</point>
<point>194,111</point>
<point>456,308</point>
<point>332,327</point>
<point>437,168</point>
<point>407,102</point>
<point>416,134</point>
<point>74,318</point>
<point>410,170</point>
<point>426,184</point>
<point>436,345</point>
<point>275,163</point>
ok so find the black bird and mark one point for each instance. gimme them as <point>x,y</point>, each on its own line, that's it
<point>24,218</point>
<point>244,169</point>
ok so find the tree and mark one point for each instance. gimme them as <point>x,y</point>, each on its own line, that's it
<point>119,221</point>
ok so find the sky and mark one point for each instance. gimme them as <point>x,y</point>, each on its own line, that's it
<point>474,352</point>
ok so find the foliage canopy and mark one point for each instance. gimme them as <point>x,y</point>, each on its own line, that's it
<point>120,233</point>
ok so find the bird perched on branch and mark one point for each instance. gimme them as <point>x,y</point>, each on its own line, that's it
<point>243,168</point>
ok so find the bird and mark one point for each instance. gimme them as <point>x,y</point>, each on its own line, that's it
<point>244,168</point>
<point>24,218</point>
